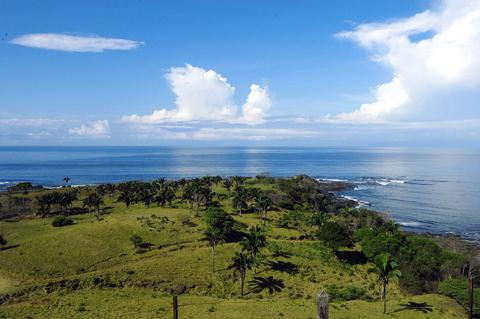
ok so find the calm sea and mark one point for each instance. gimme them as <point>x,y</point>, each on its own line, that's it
<point>424,190</point>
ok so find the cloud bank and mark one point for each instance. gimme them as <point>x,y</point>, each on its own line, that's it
<point>74,43</point>
<point>100,128</point>
<point>428,53</point>
<point>205,95</point>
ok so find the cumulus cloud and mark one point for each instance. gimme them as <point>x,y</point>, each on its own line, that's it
<point>100,128</point>
<point>205,95</point>
<point>257,104</point>
<point>428,53</point>
<point>74,43</point>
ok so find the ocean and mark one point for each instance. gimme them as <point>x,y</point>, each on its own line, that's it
<point>425,190</point>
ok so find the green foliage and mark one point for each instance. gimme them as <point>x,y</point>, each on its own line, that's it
<point>421,260</point>
<point>375,242</point>
<point>457,289</point>
<point>219,224</point>
<point>60,221</point>
<point>351,292</point>
<point>253,242</point>
<point>334,235</point>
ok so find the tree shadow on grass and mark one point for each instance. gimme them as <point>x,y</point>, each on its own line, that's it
<point>283,254</point>
<point>259,284</point>
<point>351,257</point>
<point>9,247</point>
<point>415,306</point>
<point>283,266</point>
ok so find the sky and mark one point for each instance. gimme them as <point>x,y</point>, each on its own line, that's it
<point>270,72</point>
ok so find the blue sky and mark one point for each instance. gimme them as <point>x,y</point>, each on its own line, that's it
<point>239,72</point>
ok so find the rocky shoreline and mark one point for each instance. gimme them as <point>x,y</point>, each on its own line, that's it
<point>452,242</point>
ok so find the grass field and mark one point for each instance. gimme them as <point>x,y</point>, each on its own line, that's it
<point>91,270</point>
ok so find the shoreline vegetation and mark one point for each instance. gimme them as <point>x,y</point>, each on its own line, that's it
<point>233,247</point>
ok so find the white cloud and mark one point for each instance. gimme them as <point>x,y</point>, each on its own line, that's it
<point>100,128</point>
<point>74,43</point>
<point>257,104</point>
<point>389,98</point>
<point>30,122</point>
<point>205,95</point>
<point>447,57</point>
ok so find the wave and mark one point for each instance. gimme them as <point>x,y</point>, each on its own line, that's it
<point>361,188</point>
<point>332,180</point>
<point>384,181</point>
<point>360,203</point>
<point>409,224</point>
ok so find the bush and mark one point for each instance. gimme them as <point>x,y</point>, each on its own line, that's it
<point>60,221</point>
<point>420,261</point>
<point>457,289</point>
<point>335,236</point>
<point>346,293</point>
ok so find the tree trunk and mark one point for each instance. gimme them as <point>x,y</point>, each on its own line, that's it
<point>384,298</point>
<point>213,258</point>
<point>242,282</point>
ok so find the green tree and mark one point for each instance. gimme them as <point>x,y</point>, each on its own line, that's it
<point>334,235</point>
<point>219,226</point>
<point>263,203</point>
<point>253,242</point>
<point>241,262</point>
<point>387,270</point>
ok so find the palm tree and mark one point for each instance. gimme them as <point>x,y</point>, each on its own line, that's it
<point>241,262</point>
<point>239,200</point>
<point>387,270</point>
<point>93,201</point>
<point>66,179</point>
<point>227,183</point>
<point>253,241</point>
<point>263,203</point>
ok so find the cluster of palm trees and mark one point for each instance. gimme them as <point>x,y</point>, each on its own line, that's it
<point>60,202</point>
<point>251,244</point>
<point>219,227</point>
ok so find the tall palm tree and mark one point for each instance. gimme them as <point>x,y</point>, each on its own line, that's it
<point>253,242</point>
<point>241,262</point>
<point>387,270</point>
<point>66,179</point>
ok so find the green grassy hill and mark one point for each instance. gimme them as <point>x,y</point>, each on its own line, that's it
<point>92,270</point>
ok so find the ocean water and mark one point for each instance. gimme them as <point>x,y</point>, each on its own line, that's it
<point>433,190</point>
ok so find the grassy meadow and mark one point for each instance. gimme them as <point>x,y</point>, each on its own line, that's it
<point>91,269</point>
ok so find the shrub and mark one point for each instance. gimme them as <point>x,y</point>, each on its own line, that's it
<point>60,221</point>
<point>346,293</point>
<point>334,235</point>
